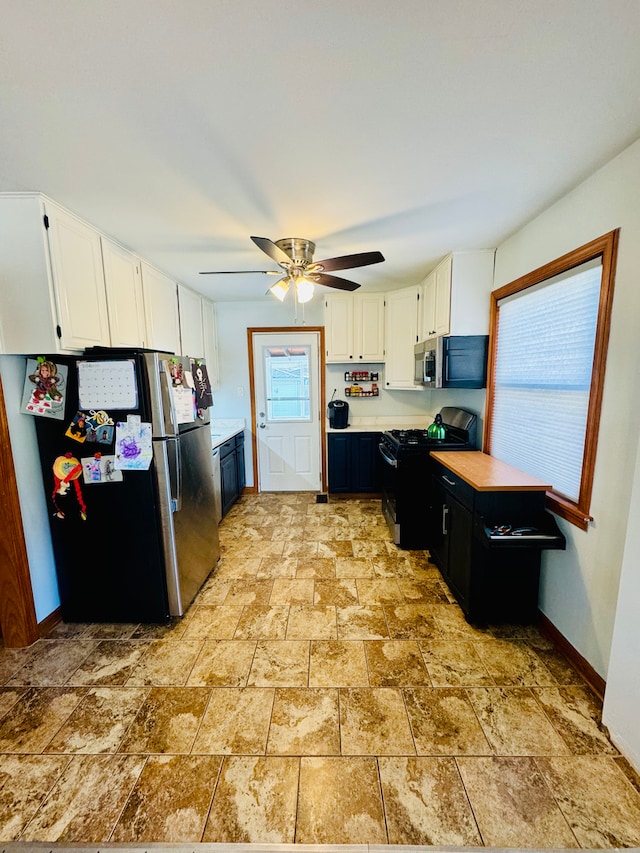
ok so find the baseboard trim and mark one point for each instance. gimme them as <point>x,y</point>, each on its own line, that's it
<point>250,490</point>
<point>49,623</point>
<point>582,665</point>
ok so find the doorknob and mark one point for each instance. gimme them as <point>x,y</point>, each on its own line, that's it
<point>262,426</point>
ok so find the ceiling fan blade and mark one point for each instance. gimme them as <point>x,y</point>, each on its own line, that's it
<point>333,281</point>
<point>270,248</point>
<point>345,262</point>
<point>241,272</point>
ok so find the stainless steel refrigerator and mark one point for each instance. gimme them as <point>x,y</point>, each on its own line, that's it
<point>135,545</point>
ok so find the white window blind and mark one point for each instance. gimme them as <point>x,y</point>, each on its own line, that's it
<point>542,376</point>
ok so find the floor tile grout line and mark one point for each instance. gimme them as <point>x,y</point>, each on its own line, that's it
<point>555,799</point>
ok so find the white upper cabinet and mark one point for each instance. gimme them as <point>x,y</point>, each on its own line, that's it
<point>456,295</point>
<point>191,329</point>
<point>161,310</point>
<point>354,328</point>
<point>427,324</point>
<point>401,335</point>
<point>211,342</point>
<point>52,297</point>
<point>124,296</point>
<point>76,260</point>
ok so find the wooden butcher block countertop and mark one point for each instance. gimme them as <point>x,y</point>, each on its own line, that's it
<point>486,473</point>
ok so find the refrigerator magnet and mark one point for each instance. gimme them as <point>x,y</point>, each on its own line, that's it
<point>176,371</point>
<point>100,428</point>
<point>67,470</point>
<point>77,429</point>
<point>100,469</point>
<point>44,388</point>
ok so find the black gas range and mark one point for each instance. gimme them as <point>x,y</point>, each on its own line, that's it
<point>406,473</point>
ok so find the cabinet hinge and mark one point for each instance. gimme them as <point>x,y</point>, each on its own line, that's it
<point>45,219</point>
<point>59,332</point>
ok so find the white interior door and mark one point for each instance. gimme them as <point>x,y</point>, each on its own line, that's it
<point>287,405</point>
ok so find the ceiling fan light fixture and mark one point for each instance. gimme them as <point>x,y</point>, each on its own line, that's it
<point>279,289</point>
<point>304,289</point>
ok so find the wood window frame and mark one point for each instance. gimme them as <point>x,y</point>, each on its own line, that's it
<point>605,249</point>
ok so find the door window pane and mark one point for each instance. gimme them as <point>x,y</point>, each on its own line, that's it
<point>287,383</point>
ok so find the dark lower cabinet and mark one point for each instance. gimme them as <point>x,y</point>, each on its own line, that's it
<point>242,477</point>
<point>232,472</point>
<point>493,578</point>
<point>353,462</point>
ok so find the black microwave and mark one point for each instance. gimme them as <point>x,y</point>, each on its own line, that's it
<point>452,361</point>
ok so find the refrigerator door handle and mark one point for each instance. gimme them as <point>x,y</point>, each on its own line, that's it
<point>175,473</point>
<point>168,402</point>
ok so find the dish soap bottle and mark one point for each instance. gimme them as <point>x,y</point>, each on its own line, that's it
<point>437,430</point>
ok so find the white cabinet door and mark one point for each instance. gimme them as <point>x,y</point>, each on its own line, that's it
<point>338,323</point>
<point>124,296</point>
<point>369,327</point>
<point>78,278</point>
<point>443,297</point>
<point>471,286</point>
<point>211,342</point>
<point>428,313</point>
<point>401,335</point>
<point>191,334</point>
<point>161,310</point>
<point>354,327</point>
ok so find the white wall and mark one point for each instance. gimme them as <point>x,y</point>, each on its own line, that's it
<point>622,699</point>
<point>232,320</point>
<point>422,404</point>
<point>579,587</point>
<point>33,500</point>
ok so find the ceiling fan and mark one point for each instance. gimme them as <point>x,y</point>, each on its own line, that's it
<point>294,255</point>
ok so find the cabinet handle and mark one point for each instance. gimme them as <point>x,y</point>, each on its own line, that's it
<point>445,513</point>
<point>450,482</point>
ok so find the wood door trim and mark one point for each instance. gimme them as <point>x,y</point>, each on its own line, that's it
<point>270,330</point>
<point>17,608</point>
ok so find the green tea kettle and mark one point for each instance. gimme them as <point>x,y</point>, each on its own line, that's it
<point>437,430</point>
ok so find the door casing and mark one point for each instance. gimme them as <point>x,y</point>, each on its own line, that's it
<point>323,398</point>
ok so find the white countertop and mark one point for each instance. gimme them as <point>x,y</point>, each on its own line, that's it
<point>222,429</point>
<point>384,422</point>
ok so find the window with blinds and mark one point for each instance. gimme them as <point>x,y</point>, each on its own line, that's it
<point>550,331</point>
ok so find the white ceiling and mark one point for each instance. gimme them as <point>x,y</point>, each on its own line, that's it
<point>182,127</point>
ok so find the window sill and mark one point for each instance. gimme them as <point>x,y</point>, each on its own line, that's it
<point>568,510</point>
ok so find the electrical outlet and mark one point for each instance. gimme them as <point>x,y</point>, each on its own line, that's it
<point>240,390</point>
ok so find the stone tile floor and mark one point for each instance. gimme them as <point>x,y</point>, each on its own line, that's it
<point>323,688</point>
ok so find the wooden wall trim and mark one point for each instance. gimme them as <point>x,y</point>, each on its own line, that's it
<point>49,623</point>
<point>17,608</point>
<point>581,664</point>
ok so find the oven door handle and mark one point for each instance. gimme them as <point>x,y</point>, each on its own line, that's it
<point>385,455</point>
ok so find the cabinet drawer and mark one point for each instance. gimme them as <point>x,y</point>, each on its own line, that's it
<point>228,447</point>
<point>454,484</point>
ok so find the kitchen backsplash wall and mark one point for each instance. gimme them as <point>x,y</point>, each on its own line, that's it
<point>411,404</point>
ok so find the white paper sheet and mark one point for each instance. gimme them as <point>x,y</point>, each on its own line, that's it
<point>107,384</point>
<point>183,399</point>
<point>133,445</point>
